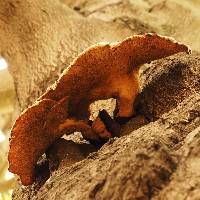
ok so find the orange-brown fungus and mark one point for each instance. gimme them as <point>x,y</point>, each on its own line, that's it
<point>102,71</point>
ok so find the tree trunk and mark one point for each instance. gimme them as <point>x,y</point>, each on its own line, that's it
<point>157,157</point>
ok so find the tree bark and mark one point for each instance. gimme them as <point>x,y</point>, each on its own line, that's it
<point>159,160</point>
<point>40,38</point>
<point>157,157</point>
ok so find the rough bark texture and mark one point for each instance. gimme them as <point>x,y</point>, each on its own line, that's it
<point>158,155</point>
<point>40,38</point>
<point>157,161</point>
